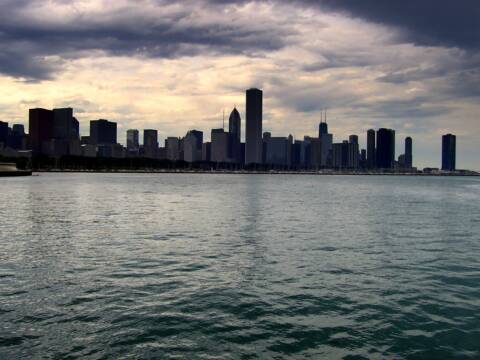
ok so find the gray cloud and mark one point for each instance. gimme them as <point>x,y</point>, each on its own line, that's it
<point>426,22</point>
<point>27,42</point>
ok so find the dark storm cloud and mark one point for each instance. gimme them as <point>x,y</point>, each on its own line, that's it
<point>29,43</point>
<point>424,22</point>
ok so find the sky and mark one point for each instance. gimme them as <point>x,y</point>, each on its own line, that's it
<point>411,65</point>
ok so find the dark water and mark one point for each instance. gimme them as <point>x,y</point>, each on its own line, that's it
<point>239,267</point>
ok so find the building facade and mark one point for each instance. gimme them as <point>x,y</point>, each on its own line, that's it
<point>449,152</point>
<point>254,117</point>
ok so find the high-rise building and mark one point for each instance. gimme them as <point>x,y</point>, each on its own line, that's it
<point>234,128</point>
<point>363,158</point>
<point>408,153</point>
<point>103,132</point>
<point>315,147</point>
<point>353,152</point>
<point>219,150</point>
<point>17,139</point>
<point>192,146</point>
<point>340,156</point>
<point>199,138</point>
<point>254,115</point>
<point>3,133</point>
<point>449,144</point>
<point>132,139</point>
<point>65,126</point>
<point>371,158</point>
<point>172,145</point>
<point>385,154</point>
<point>326,141</point>
<point>40,125</point>
<point>322,129</point>
<point>207,151</point>
<point>289,150</point>
<point>150,138</point>
<point>150,143</point>
<point>277,151</point>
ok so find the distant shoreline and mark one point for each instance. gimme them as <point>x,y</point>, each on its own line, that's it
<point>243,172</point>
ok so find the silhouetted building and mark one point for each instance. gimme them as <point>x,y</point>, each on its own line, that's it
<point>340,155</point>
<point>199,136</point>
<point>296,154</point>
<point>65,126</point>
<point>219,149</point>
<point>385,148</point>
<point>266,136</point>
<point>353,152</point>
<point>254,114</point>
<point>17,138</point>
<point>363,158</point>
<point>133,139</point>
<point>326,141</point>
<point>40,125</point>
<point>371,158</point>
<point>322,129</point>
<point>408,153</point>
<point>449,144</point>
<point>401,161</point>
<point>315,152</point>
<point>207,151</point>
<point>277,151</point>
<point>289,150</point>
<point>172,145</point>
<point>192,146</point>
<point>3,133</point>
<point>234,128</point>
<point>103,132</point>
<point>150,143</point>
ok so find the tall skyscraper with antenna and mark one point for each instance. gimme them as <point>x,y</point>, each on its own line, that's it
<point>323,126</point>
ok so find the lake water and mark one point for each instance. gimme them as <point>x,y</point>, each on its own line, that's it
<point>179,266</point>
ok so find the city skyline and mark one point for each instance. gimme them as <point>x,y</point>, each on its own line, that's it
<point>371,67</point>
<point>55,134</point>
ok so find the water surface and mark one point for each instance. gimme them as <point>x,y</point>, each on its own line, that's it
<point>181,266</point>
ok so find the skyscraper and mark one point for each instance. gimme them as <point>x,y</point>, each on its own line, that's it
<point>254,114</point>
<point>326,141</point>
<point>385,153</point>
<point>322,129</point>
<point>449,144</point>
<point>65,126</point>
<point>371,161</point>
<point>353,152</point>
<point>150,138</point>
<point>408,153</point>
<point>3,133</point>
<point>192,146</point>
<point>234,129</point>
<point>132,139</point>
<point>172,146</point>
<point>219,149</point>
<point>150,143</point>
<point>103,132</point>
<point>40,125</point>
<point>277,151</point>
<point>17,137</point>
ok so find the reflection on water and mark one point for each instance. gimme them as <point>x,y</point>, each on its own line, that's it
<point>236,267</point>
